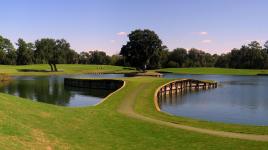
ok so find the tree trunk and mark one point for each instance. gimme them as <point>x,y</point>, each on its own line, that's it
<point>51,67</point>
<point>55,67</point>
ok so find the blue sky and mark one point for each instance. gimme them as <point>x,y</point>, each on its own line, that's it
<point>215,26</point>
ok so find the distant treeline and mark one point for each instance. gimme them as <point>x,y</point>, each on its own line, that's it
<point>58,51</point>
<point>52,52</point>
<point>251,56</point>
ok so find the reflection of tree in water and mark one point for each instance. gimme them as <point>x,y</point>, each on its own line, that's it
<point>175,98</point>
<point>92,92</point>
<point>23,88</point>
<point>51,90</point>
<point>48,90</point>
<point>43,89</point>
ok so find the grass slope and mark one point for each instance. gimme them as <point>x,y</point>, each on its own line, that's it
<point>224,71</point>
<point>25,124</point>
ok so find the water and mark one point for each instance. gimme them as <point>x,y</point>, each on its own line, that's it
<point>50,89</point>
<point>238,99</point>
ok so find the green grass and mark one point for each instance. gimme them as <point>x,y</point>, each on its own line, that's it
<point>41,69</point>
<point>223,71</point>
<point>25,124</point>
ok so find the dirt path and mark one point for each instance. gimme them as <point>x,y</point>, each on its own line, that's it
<point>127,108</point>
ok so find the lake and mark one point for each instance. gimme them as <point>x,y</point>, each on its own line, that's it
<point>51,89</point>
<point>238,99</point>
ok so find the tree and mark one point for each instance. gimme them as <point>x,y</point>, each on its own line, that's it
<point>44,51</point>
<point>7,51</point>
<point>158,58</point>
<point>209,60</point>
<point>72,57</point>
<point>117,60</point>
<point>24,53</point>
<point>143,45</point>
<point>179,56</point>
<point>266,47</point>
<point>11,57</point>
<point>196,58</point>
<point>59,53</point>
<point>84,58</point>
<point>164,57</point>
<point>235,58</point>
<point>99,58</point>
<point>52,51</point>
<point>223,61</point>
<point>253,56</point>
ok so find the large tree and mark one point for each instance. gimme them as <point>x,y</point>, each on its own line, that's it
<point>44,51</point>
<point>253,56</point>
<point>196,58</point>
<point>59,54</point>
<point>7,52</point>
<point>24,52</point>
<point>52,51</point>
<point>179,56</point>
<point>72,57</point>
<point>143,47</point>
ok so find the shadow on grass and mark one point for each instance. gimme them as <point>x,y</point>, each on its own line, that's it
<point>128,68</point>
<point>32,70</point>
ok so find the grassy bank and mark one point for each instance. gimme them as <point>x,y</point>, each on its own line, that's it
<point>223,71</point>
<point>44,69</point>
<point>30,125</point>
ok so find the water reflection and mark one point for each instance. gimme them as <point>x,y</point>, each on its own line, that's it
<point>51,89</point>
<point>238,99</point>
<point>176,98</point>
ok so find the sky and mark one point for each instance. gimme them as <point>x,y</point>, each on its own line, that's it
<point>215,26</point>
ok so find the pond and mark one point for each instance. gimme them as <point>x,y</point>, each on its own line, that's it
<point>238,99</point>
<point>51,89</point>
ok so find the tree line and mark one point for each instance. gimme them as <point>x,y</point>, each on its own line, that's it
<point>251,56</point>
<point>50,51</point>
<point>144,50</point>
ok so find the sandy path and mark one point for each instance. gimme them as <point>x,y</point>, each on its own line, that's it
<point>127,108</point>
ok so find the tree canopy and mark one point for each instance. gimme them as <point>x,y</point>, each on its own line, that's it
<point>24,53</point>
<point>52,51</point>
<point>7,52</point>
<point>143,50</point>
<point>251,56</point>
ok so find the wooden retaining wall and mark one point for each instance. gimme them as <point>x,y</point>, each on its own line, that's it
<point>185,84</point>
<point>106,84</point>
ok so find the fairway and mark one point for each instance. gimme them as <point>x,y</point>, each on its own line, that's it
<point>44,69</point>
<point>116,123</point>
